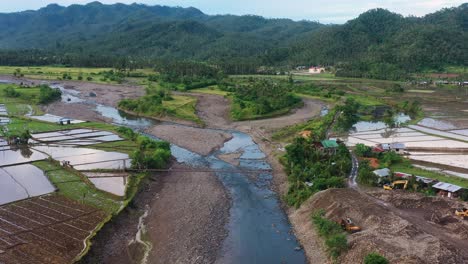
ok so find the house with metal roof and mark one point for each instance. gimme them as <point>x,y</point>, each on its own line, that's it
<point>447,189</point>
<point>382,173</point>
<point>329,146</point>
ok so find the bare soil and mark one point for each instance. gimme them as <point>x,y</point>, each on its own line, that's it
<point>402,236</point>
<point>85,112</point>
<point>232,158</point>
<point>47,229</point>
<point>198,140</point>
<point>185,223</point>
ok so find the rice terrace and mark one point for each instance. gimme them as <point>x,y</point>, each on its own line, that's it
<point>133,133</point>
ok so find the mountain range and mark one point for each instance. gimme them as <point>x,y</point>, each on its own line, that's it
<point>145,33</point>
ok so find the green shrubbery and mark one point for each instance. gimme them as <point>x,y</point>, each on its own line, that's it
<point>49,95</point>
<point>114,76</point>
<point>375,258</point>
<point>151,104</point>
<point>259,98</point>
<point>151,154</point>
<point>366,175</point>
<point>335,238</point>
<point>311,170</point>
<point>11,92</point>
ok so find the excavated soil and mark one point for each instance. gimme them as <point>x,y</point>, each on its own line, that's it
<point>391,226</point>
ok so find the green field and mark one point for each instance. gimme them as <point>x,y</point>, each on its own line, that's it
<point>75,186</point>
<point>57,73</point>
<point>210,90</point>
<point>20,105</point>
<point>183,107</point>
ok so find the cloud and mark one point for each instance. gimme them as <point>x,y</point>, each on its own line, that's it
<point>326,11</point>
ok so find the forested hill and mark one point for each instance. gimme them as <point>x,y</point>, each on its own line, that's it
<point>150,31</point>
<point>379,41</point>
<point>377,44</point>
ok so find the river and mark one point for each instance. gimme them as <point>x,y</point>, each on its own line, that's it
<point>258,228</point>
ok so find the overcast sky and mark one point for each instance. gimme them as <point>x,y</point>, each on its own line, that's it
<point>325,11</point>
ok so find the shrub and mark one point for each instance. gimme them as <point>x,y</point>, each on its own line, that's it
<point>89,78</point>
<point>11,92</point>
<point>365,174</point>
<point>48,95</point>
<point>375,258</point>
<point>362,150</point>
<point>336,244</point>
<point>127,133</point>
<point>335,239</point>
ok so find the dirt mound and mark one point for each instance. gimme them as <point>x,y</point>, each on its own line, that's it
<point>386,229</point>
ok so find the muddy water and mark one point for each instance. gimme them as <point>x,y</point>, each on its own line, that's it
<point>258,229</point>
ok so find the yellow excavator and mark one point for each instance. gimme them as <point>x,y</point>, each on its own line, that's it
<point>348,225</point>
<point>396,185</point>
<point>462,212</point>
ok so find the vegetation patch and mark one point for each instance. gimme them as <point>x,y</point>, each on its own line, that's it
<point>159,103</point>
<point>260,98</point>
<point>73,185</point>
<point>311,169</point>
<point>375,258</point>
<point>335,238</point>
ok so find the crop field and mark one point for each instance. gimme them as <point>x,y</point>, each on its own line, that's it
<point>47,229</point>
<point>56,73</point>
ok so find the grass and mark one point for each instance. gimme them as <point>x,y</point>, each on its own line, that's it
<point>366,100</point>
<point>20,124</point>
<point>183,107</point>
<point>421,91</point>
<point>307,96</point>
<point>125,146</point>
<point>20,105</point>
<point>56,72</point>
<point>210,90</point>
<point>74,186</point>
<point>406,168</point>
<point>315,77</point>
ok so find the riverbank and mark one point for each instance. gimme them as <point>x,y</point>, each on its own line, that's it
<point>169,223</point>
<point>187,215</point>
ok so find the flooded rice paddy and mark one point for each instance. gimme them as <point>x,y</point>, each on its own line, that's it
<point>55,119</point>
<point>21,182</point>
<point>114,182</point>
<point>63,146</point>
<point>3,113</point>
<point>431,141</point>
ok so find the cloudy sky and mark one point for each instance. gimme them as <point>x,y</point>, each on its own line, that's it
<point>325,11</point>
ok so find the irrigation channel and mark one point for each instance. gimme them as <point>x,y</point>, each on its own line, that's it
<point>258,228</point>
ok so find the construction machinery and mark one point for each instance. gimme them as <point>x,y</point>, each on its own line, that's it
<point>397,185</point>
<point>462,212</point>
<point>348,225</point>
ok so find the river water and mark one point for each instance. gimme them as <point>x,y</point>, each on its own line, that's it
<point>258,228</point>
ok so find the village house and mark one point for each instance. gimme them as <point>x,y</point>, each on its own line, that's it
<point>328,146</point>
<point>316,69</point>
<point>397,147</point>
<point>382,173</point>
<point>447,189</point>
